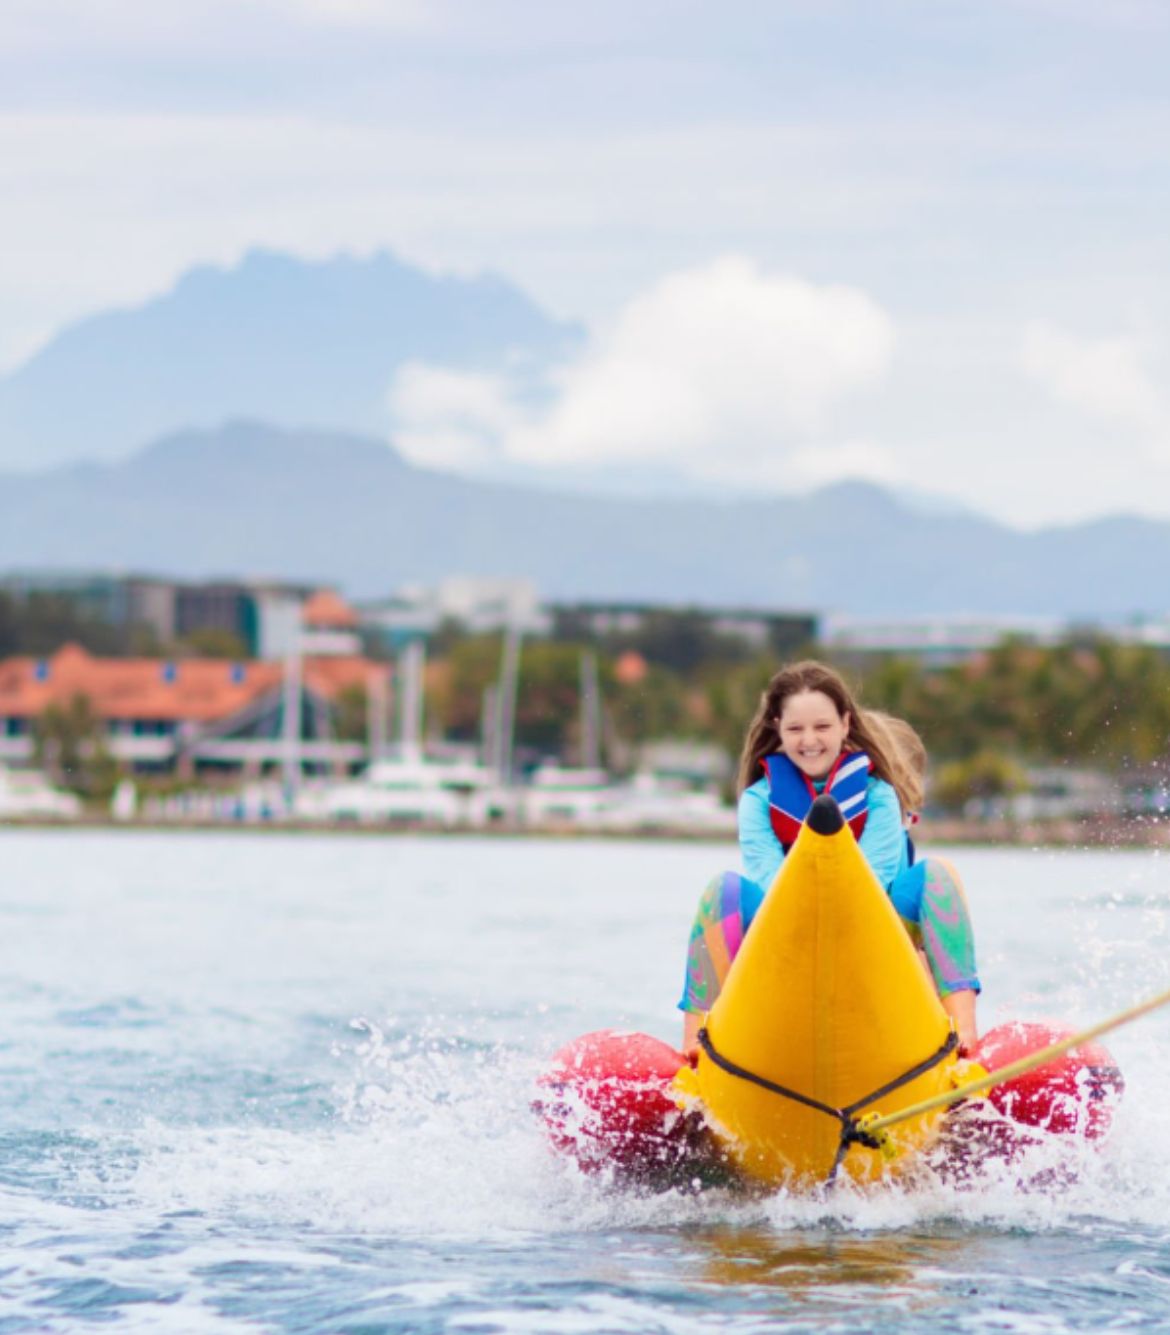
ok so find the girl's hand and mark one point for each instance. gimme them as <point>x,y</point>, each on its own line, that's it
<point>960,1006</point>
<point>692,1023</point>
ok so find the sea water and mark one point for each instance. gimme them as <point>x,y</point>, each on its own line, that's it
<point>282,1082</point>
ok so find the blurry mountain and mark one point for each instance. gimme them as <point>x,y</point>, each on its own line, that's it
<point>250,499</point>
<point>277,338</point>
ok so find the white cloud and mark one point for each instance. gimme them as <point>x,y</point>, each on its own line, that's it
<point>1105,378</point>
<point>722,371</point>
<point>451,419</point>
<point>850,459</point>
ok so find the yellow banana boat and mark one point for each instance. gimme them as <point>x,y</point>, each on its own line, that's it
<point>827,1020</point>
<point>827,1016</point>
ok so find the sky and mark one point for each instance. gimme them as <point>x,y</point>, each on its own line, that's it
<point>920,242</point>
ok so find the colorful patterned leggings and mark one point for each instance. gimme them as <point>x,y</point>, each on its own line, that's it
<point>928,896</point>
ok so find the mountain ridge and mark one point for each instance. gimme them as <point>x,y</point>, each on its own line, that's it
<point>341,508</point>
<point>274,337</point>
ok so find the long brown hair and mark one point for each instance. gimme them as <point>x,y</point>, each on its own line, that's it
<point>906,753</point>
<point>763,734</point>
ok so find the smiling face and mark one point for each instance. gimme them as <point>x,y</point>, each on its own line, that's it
<point>812,733</point>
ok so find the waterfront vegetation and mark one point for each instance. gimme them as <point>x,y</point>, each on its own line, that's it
<point>1090,702</point>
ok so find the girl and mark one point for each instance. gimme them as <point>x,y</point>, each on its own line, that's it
<point>808,735</point>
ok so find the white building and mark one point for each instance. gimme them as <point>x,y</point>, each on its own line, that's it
<point>939,639</point>
<point>478,604</point>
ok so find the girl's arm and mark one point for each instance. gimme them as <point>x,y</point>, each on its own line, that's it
<point>883,841</point>
<point>758,845</point>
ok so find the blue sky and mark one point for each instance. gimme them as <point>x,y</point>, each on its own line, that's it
<point>966,205</point>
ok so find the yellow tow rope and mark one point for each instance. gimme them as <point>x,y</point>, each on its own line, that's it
<point>874,1125</point>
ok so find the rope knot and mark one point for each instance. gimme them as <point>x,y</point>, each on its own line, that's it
<point>854,1133</point>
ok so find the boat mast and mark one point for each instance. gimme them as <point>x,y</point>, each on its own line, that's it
<point>376,715</point>
<point>290,716</point>
<point>488,718</point>
<point>410,719</point>
<point>506,703</point>
<point>590,712</point>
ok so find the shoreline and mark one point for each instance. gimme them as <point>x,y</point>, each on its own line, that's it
<point>1089,833</point>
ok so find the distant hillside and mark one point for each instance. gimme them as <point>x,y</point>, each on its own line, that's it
<point>252,499</point>
<point>275,338</point>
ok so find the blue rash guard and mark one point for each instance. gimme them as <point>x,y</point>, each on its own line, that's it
<point>927,896</point>
<point>883,841</point>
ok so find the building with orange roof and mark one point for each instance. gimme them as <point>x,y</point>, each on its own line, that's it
<point>197,714</point>
<point>329,626</point>
<point>327,610</point>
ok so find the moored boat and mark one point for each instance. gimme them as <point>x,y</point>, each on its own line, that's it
<point>27,794</point>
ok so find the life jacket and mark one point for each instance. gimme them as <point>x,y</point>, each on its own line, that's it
<point>791,793</point>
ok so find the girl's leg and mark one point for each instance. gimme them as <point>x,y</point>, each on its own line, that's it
<point>960,1006</point>
<point>929,897</point>
<point>726,909</point>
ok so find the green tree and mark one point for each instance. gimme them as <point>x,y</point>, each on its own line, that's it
<point>548,699</point>
<point>351,714</point>
<point>70,746</point>
<point>986,774</point>
<point>731,698</point>
<point>642,711</point>
<point>895,685</point>
<point>458,684</point>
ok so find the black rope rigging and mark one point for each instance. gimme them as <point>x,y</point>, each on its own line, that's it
<point>852,1131</point>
